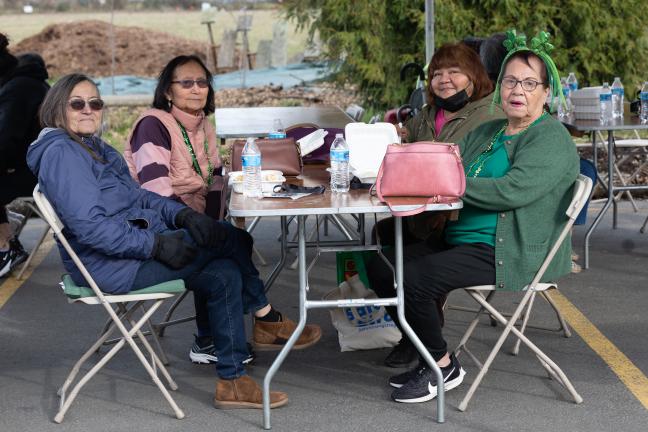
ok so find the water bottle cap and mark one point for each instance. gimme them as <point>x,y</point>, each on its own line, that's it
<point>339,135</point>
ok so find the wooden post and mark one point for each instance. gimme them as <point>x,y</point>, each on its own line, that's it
<point>212,45</point>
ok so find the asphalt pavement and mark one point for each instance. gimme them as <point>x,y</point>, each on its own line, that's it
<point>41,336</point>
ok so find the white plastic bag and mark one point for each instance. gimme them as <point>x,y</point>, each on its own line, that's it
<point>365,327</point>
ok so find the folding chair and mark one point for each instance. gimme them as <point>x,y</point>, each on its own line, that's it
<point>482,294</point>
<point>121,316</point>
<point>355,112</point>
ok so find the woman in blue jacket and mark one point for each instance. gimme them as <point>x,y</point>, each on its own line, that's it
<point>130,238</point>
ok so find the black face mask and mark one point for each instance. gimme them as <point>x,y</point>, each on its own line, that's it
<point>453,103</point>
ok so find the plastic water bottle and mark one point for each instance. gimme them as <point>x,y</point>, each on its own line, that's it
<point>605,100</point>
<point>339,165</point>
<point>251,163</point>
<point>564,111</point>
<point>643,97</point>
<point>278,131</point>
<point>572,82</point>
<point>617,98</point>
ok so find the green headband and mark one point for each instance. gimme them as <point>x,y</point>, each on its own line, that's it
<point>541,47</point>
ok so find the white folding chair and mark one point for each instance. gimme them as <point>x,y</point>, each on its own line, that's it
<point>355,112</point>
<point>482,294</point>
<point>121,316</point>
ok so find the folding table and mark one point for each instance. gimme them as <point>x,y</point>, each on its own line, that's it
<point>354,202</point>
<point>625,123</point>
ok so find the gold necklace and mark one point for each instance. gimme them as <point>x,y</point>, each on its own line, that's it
<point>480,161</point>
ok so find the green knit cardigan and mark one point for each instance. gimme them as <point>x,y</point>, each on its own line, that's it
<point>531,198</point>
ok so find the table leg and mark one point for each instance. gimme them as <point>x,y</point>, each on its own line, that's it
<point>400,307</point>
<point>608,202</point>
<point>611,170</point>
<point>284,254</point>
<point>276,364</point>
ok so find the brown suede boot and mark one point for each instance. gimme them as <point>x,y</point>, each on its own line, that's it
<point>269,336</point>
<point>244,392</point>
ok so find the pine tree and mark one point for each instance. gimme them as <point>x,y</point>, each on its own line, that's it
<point>372,39</point>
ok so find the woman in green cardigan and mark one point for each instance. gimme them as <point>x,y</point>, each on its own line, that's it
<point>459,100</point>
<point>519,177</point>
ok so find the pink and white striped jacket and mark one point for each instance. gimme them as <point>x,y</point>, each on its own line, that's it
<point>166,168</point>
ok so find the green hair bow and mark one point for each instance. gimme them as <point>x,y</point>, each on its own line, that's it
<point>540,46</point>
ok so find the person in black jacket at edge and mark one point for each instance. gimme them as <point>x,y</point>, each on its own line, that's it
<point>23,87</point>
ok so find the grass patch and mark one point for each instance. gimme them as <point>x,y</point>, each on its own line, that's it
<point>118,122</point>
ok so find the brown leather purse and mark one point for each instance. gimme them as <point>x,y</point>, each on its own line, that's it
<point>276,154</point>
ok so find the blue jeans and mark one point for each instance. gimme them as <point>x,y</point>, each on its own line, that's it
<point>589,169</point>
<point>226,285</point>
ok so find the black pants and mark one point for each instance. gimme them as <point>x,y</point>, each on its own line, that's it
<point>385,229</point>
<point>16,184</point>
<point>430,271</point>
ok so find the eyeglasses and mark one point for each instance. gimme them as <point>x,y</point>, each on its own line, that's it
<point>527,84</point>
<point>79,104</point>
<point>187,84</point>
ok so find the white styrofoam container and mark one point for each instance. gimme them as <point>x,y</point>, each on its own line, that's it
<point>367,146</point>
<point>586,103</point>
<point>312,141</point>
<point>269,179</point>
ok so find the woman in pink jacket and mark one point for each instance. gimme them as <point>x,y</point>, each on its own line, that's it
<point>172,151</point>
<point>172,148</point>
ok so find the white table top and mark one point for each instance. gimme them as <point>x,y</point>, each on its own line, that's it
<point>352,202</point>
<point>256,122</point>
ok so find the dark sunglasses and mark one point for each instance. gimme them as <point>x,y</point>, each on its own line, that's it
<point>187,84</point>
<point>79,104</point>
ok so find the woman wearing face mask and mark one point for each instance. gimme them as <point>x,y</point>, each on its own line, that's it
<point>457,102</point>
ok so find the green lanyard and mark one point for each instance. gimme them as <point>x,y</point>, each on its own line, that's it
<point>210,168</point>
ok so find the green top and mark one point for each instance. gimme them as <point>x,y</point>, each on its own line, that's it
<point>477,225</point>
<point>530,199</point>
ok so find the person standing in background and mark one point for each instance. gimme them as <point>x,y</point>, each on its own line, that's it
<point>23,87</point>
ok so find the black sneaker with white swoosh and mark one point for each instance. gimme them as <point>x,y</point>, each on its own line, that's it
<point>203,351</point>
<point>420,384</point>
<point>11,258</point>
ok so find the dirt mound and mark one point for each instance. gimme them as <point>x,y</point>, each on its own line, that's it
<point>84,46</point>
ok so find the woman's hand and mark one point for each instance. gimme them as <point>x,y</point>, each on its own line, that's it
<point>402,132</point>
<point>172,250</point>
<point>207,232</point>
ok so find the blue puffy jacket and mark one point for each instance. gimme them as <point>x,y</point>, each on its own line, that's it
<point>109,220</point>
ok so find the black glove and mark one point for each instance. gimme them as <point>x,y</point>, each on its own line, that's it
<point>172,250</point>
<point>203,229</point>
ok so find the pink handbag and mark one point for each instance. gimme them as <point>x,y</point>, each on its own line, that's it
<point>426,169</point>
